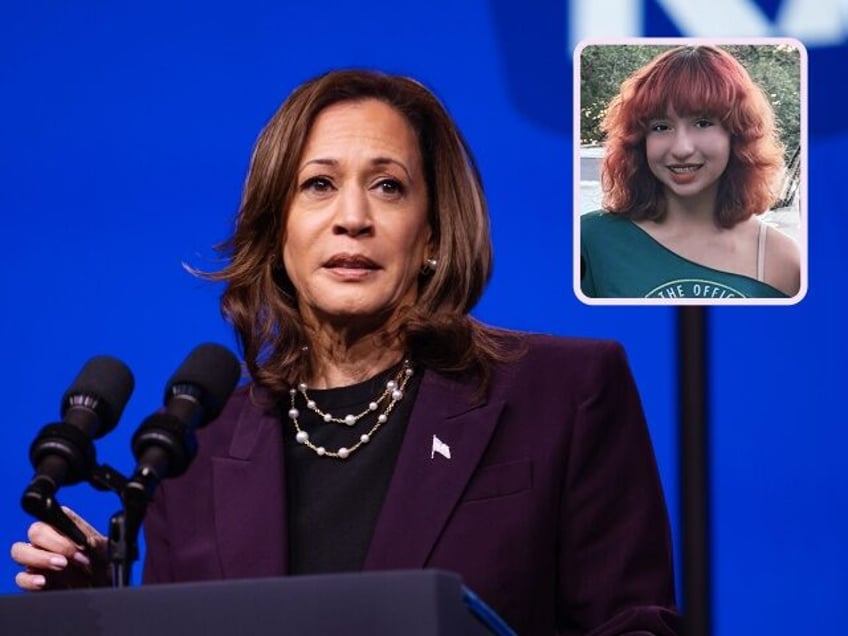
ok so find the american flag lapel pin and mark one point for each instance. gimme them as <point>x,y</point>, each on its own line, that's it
<point>439,447</point>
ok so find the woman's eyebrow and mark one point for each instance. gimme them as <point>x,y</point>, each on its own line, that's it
<point>376,161</point>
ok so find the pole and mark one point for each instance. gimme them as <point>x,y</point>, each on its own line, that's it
<point>694,468</point>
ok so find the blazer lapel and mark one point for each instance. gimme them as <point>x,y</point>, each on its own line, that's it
<point>249,495</point>
<point>427,484</point>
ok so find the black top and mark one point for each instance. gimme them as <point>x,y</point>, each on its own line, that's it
<point>332,503</point>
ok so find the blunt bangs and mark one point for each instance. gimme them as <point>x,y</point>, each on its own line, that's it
<point>692,81</point>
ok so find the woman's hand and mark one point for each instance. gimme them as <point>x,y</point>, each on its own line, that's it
<point>53,561</point>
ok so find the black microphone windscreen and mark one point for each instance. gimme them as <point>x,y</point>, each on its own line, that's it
<point>104,384</point>
<point>213,369</point>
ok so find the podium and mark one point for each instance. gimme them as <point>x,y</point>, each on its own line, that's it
<point>409,602</point>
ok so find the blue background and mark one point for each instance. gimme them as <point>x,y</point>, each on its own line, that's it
<point>126,136</point>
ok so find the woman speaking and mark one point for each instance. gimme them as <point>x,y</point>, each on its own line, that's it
<point>385,428</point>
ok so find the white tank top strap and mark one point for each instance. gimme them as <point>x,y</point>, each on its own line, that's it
<point>761,251</point>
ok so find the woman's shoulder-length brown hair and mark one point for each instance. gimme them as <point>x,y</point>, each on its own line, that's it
<point>259,299</point>
<point>693,80</point>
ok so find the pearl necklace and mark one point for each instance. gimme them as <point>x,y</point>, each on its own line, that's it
<point>393,393</point>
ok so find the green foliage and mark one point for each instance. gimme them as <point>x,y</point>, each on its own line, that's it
<point>776,68</point>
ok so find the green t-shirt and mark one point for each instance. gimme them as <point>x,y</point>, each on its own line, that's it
<point>618,259</point>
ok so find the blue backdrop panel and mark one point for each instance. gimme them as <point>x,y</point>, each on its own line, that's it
<point>126,137</point>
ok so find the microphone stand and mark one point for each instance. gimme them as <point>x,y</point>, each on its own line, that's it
<point>39,500</point>
<point>136,493</point>
<point>122,546</point>
<point>125,525</point>
<point>122,550</point>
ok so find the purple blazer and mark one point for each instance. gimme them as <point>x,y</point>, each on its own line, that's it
<point>550,506</point>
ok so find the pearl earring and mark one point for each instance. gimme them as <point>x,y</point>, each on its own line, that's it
<point>429,266</point>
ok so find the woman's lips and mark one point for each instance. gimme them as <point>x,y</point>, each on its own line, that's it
<point>684,173</point>
<point>351,266</point>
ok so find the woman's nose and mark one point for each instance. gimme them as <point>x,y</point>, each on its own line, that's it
<point>683,145</point>
<point>353,212</point>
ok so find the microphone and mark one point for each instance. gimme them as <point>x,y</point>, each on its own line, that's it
<point>63,452</point>
<point>165,443</point>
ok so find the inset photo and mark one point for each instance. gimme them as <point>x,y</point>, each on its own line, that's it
<point>690,172</point>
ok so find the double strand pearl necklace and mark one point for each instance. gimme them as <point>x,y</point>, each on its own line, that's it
<point>393,393</point>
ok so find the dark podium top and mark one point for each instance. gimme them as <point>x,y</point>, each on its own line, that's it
<point>413,603</point>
